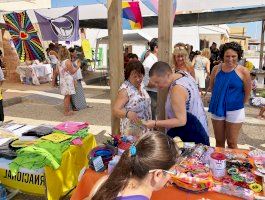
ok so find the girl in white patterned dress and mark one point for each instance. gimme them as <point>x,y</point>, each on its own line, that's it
<point>66,71</point>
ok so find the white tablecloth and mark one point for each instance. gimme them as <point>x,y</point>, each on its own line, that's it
<point>42,70</point>
<point>38,72</point>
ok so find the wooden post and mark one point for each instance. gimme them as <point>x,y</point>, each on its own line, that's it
<point>165,25</point>
<point>261,44</point>
<point>115,55</point>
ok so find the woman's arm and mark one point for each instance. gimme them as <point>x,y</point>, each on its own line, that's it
<point>212,78</point>
<point>193,61</point>
<point>178,98</point>
<point>70,68</point>
<point>247,84</point>
<point>119,110</point>
<point>56,73</point>
<point>208,64</point>
<point>53,53</point>
<point>192,71</point>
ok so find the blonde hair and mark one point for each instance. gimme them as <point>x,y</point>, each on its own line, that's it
<point>183,52</point>
<point>206,52</point>
<point>63,54</point>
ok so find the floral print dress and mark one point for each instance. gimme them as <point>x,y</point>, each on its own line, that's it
<point>140,103</point>
<point>67,86</point>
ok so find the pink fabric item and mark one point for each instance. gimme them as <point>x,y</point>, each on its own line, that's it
<point>77,141</point>
<point>71,127</point>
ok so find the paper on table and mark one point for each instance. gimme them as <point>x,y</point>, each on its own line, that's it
<point>19,132</point>
<point>4,140</point>
<point>14,127</point>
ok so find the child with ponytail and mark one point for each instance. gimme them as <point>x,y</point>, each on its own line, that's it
<point>140,171</point>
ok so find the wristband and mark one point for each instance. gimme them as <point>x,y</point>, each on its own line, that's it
<point>126,114</point>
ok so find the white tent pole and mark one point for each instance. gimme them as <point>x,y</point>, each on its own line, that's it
<point>96,54</point>
<point>261,44</point>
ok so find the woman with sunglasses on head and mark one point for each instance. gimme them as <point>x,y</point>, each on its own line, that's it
<point>141,170</point>
<point>181,61</point>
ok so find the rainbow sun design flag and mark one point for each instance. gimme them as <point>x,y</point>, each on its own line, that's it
<point>24,36</point>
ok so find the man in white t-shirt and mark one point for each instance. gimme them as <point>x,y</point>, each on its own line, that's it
<point>148,63</point>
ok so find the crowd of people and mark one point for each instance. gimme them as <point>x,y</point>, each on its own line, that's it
<point>68,76</point>
<point>212,69</point>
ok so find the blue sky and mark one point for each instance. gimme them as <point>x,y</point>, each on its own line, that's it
<point>253,28</point>
<point>62,3</point>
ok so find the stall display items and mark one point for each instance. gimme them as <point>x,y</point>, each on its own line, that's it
<point>191,173</point>
<point>41,160</point>
<point>201,168</point>
<point>100,156</point>
<point>120,142</point>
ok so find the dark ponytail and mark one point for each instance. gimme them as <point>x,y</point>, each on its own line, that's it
<point>154,151</point>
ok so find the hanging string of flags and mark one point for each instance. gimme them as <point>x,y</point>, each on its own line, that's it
<point>65,27</point>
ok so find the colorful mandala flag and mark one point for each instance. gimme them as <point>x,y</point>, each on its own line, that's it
<point>131,16</point>
<point>24,36</point>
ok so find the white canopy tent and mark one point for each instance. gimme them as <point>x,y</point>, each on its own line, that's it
<point>99,11</point>
<point>182,5</point>
<point>203,12</point>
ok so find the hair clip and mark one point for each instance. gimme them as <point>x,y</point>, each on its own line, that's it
<point>133,150</point>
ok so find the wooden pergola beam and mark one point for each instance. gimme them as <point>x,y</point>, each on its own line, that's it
<point>115,55</point>
<point>165,27</point>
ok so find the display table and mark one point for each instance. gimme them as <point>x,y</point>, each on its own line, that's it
<point>37,73</point>
<point>90,178</point>
<point>53,183</point>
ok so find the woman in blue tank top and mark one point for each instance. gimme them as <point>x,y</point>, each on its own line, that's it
<point>141,170</point>
<point>231,87</point>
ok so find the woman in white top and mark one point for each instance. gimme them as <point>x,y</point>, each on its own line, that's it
<point>53,56</point>
<point>133,102</point>
<point>201,64</point>
<point>66,71</point>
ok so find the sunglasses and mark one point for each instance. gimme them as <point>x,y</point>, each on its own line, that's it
<point>171,172</point>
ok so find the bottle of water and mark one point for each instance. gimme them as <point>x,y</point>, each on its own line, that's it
<point>3,195</point>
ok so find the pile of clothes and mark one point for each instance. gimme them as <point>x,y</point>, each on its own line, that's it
<point>37,147</point>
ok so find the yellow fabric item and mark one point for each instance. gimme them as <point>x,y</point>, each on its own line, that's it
<point>56,137</point>
<point>59,182</point>
<point>86,46</point>
<point>23,181</point>
<point>1,94</point>
<point>249,65</point>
